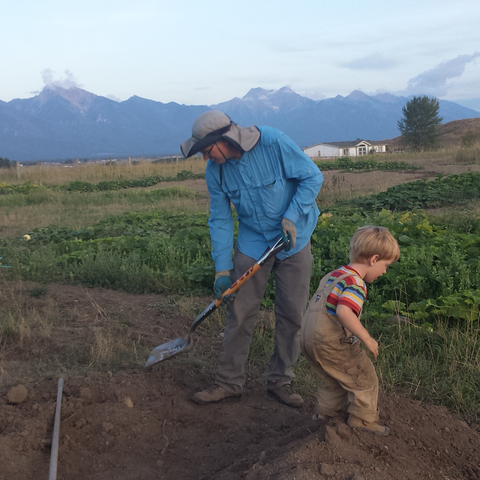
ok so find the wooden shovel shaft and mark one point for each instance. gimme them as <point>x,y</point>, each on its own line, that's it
<point>215,304</point>
<point>279,246</point>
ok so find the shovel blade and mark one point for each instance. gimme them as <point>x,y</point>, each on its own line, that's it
<point>167,350</point>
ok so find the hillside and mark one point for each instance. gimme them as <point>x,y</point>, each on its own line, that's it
<point>451,133</point>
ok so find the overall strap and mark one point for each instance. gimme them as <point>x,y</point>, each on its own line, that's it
<point>326,292</point>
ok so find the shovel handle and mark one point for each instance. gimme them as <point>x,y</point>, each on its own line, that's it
<point>236,285</point>
<point>279,246</point>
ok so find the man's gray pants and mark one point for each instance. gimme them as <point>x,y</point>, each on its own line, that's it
<point>292,279</point>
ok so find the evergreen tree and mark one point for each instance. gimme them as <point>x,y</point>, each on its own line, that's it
<point>419,123</point>
<point>5,163</point>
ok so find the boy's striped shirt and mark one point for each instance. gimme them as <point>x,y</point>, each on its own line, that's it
<point>351,291</point>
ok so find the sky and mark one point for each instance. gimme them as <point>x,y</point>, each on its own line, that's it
<point>203,53</point>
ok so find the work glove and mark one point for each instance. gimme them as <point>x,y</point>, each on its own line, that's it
<point>289,233</point>
<point>222,283</point>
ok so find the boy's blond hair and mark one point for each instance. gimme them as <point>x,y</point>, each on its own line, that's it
<point>371,240</point>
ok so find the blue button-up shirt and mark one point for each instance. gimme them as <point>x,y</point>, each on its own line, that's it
<point>272,181</point>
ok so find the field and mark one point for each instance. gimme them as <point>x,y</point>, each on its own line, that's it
<point>107,272</point>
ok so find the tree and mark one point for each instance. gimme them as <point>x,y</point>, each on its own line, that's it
<point>419,123</point>
<point>5,163</point>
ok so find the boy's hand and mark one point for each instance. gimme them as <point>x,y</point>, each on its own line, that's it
<point>372,345</point>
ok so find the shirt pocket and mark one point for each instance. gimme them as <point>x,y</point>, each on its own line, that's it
<point>274,198</point>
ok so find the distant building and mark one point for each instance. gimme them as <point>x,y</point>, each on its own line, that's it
<point>345,149</point>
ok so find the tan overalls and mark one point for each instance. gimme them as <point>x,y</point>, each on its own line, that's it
<point>349,381</point>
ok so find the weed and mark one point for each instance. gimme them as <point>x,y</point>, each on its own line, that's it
<point>38,292</point>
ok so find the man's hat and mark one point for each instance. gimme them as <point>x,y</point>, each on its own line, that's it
<point>212,126</point>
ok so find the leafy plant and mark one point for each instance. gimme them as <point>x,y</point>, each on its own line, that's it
<point>346,164</point>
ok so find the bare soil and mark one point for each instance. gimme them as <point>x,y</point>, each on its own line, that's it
<point>141,424</point>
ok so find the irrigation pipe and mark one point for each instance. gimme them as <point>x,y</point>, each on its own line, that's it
<point>56,434</point>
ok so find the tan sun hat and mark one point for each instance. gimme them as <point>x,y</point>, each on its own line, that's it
<point>212,126</point>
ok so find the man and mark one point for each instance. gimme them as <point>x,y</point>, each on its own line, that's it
<point>272,185</point>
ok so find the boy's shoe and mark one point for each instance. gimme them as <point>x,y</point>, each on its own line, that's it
<point>323,417</point>
<point>372,427</point>
<point>214,395</point>
<point>286,395</point>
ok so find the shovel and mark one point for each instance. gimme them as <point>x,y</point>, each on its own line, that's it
<point>173,347</point>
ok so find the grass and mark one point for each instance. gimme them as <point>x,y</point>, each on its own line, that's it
<point>21,213</point>
<point>39,339</point>
<point>439,366</point>
<point>436,157</point>
<point>59,174</point>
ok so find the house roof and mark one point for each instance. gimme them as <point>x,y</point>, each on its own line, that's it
<point>349,144</point>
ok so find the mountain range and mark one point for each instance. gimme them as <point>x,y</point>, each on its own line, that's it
<point>63,123</point>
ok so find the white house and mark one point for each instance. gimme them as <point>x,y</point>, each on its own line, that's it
<point>345,149</point>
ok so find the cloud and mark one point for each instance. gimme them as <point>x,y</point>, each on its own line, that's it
<point>66,83</point>
<point>370,62</point>
<point>435,81</point>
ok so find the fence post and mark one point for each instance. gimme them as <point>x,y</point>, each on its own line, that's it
<point>18,169</point>
<point>130,160</point>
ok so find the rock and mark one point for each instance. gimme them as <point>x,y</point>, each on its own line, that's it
<point>128,402</point>
<point>263,458</point>
<point>17,394</point>
<point>327,470</point>
<point>86,393</point>
<point>25,433</point>
<point>344,431</point>
<point>331,436</point>
<point>107,427</point>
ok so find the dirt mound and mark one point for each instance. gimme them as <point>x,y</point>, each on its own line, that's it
<point>141,424</point>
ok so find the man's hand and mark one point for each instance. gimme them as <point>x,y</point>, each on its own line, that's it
<point>289,233</point>
<point>222,283</point>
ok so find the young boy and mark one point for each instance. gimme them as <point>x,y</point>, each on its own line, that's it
<point>331,331</point>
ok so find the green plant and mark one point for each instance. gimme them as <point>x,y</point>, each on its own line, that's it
<point>448,190</point>
<point>419,123</point>
<point>346,164</point>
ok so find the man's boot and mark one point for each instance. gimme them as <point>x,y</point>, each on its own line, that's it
<point>286,394</point>
<point>214,395</point>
